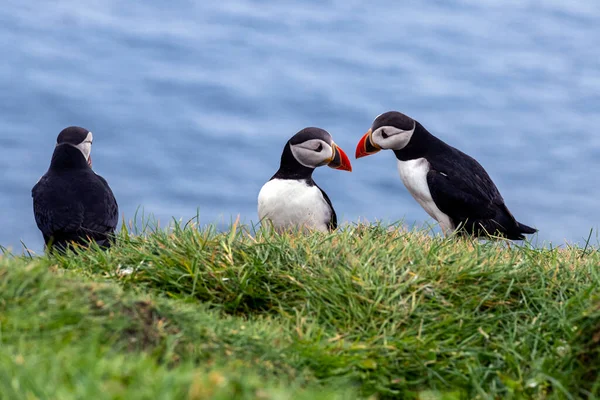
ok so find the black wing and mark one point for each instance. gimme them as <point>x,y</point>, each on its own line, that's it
<point>333,220</point>
<point>52,217</point>
<point>110,209</point>
<point>462,189</point>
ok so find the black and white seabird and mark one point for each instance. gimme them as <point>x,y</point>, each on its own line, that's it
<point>71,203</point>
<point>291,199</point>
<point>451,186</point>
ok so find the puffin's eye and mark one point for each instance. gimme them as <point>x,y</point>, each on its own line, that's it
<point>384,135</point>
<point>319,148</point>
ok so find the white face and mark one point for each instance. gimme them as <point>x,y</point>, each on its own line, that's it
<point>312,153</point>
<point>389,137</point>
<point>86,146</point>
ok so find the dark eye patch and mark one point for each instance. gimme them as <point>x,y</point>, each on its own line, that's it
<point>319,148</point>
<point>384,135</point>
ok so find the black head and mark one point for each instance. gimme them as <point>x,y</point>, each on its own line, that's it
<point>314,147</point>
<point>73,135</point>
<point>393,119</point>
<point>311,133</point>
<point>308,149</point>
<point>77,137</point>
<point>391,130</point>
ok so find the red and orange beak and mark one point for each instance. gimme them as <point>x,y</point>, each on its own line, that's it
<point>339,159</point>
<point>365,146</point>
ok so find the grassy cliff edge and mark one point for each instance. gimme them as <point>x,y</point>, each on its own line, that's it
<point>365,311</point>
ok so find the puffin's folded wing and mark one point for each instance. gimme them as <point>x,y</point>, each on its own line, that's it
<point>58,219</point>
<point>332,223</point>
<point>112,215</point>
<point>102,216</point>
<point>461,198</point>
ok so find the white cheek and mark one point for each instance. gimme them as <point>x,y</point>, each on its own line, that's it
<point>311,158</point>
<point>397,139</point>
<point>86,149</point>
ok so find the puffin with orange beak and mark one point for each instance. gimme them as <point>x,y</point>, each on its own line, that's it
<point>291,199</point>
<point>451,186</point>
<point>71,203</point>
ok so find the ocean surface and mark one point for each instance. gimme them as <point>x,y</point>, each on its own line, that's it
<point>191,102</point>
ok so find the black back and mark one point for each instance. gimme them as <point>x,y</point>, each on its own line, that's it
<point>71,203</point>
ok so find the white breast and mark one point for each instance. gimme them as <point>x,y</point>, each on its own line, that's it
<point>289,203</point>
<point>414,176</point>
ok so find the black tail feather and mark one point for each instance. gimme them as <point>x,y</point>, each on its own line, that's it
<point>526,229</point>
<point>490,228</point>
<point>517,233</point>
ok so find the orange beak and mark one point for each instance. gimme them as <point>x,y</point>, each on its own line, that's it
<point>339,159</point>
<point>365,146</point>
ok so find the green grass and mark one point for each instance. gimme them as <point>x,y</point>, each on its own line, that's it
<point>366,311</point>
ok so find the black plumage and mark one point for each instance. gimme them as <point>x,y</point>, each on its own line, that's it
<point>71,203</point>
<point>451,186</point>
<point>333,224</point>
<point>462,189</point>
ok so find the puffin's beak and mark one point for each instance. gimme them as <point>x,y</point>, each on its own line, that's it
<point>339,160</point>
<point>365,146</point>
<point>90,160</point>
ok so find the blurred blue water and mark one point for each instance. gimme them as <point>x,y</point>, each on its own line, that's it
<point>191,102</point>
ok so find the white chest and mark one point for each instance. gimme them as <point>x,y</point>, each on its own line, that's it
<point>290,203</point>
<point>414,176</point>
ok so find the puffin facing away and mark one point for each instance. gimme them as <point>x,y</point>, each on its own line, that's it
<point>451,186</point>
<point>291,199</point>
<point>71,203</point>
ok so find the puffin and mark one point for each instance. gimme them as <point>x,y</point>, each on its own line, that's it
<point>291,199</point>
<point>451,186</point>
<point>71,203</point>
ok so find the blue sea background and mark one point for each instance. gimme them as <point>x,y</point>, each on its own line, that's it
<point>191,102</point>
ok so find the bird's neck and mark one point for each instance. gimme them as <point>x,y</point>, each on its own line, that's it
<point>290,168</point>
<point>66,156</point>
<point>420,144</point>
